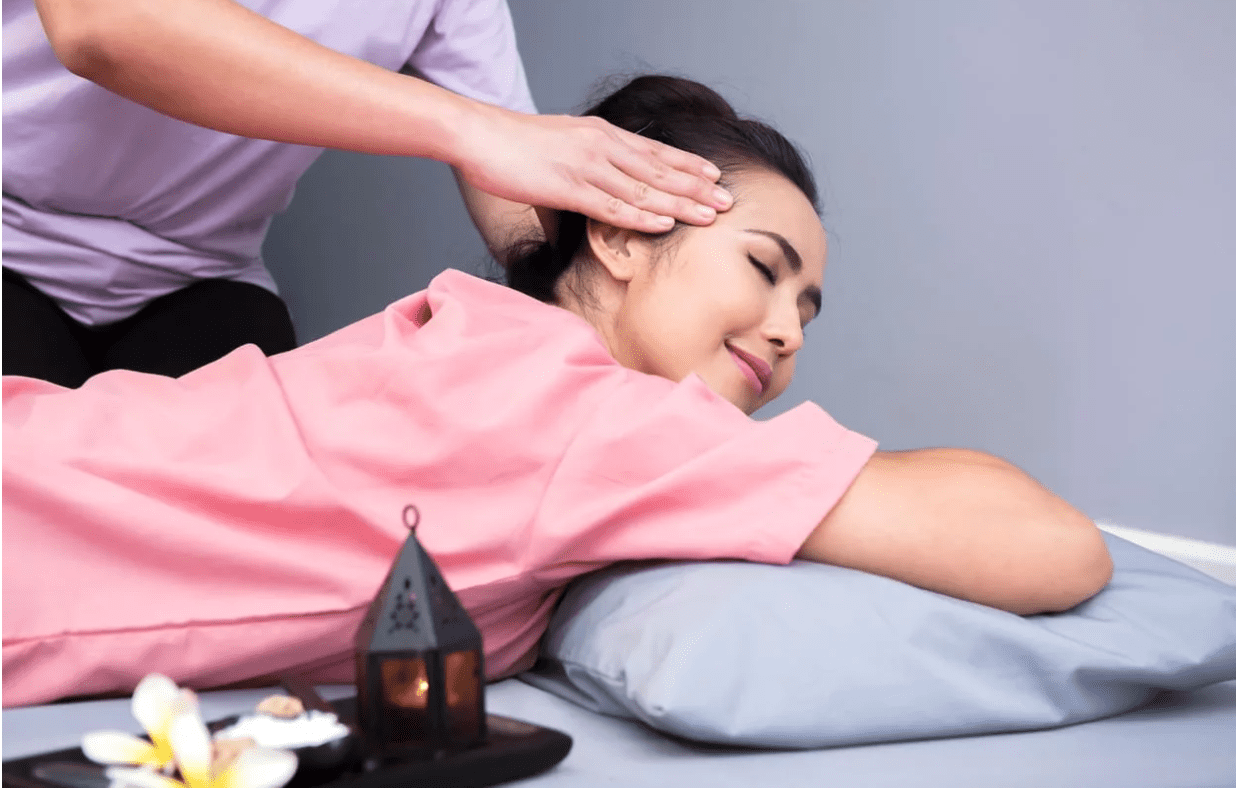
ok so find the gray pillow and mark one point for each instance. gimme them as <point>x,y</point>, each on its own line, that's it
<point>816,656</point>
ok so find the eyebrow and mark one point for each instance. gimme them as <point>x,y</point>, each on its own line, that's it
<point>812,292</point>
<point>788,251</point>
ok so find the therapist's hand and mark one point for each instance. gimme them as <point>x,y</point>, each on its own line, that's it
<point>588,166</point>
<point>217,64</point>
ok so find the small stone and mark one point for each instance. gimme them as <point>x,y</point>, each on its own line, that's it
<point>282,706</point>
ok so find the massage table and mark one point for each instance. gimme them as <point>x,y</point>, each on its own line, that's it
<point>1182,739</point>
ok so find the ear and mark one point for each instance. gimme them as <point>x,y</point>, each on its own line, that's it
<point>624,253</point>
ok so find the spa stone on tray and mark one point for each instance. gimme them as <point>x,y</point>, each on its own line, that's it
<point>306,730</point>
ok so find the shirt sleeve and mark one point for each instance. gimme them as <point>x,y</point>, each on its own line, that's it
<point>470,49</point>
<point>684,474</point>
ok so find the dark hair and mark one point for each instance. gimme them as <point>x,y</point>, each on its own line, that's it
<point>681,113</point>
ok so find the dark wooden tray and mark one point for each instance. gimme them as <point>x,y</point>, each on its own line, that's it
<point>513,749</point>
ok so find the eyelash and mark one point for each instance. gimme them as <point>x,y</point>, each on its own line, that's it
<point>764,269</point>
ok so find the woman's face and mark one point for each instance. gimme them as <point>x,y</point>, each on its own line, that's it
<point>728,301</point>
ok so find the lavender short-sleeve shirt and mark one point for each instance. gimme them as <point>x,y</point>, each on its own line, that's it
<point>109,204</point>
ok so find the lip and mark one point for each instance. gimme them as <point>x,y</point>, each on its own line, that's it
<point>755,369</point>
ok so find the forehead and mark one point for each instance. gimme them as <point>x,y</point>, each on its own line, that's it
<point>769,203</point>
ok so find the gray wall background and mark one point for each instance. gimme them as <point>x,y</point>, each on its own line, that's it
<point>1030,206</point>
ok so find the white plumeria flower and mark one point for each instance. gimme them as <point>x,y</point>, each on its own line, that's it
<point>256,767</point>
<point>154,704</point>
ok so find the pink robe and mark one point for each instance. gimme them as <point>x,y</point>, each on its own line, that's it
<point>234,523</point>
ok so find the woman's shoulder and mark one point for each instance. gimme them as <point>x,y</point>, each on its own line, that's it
<point>456,281</point>
<point>478,289</point>
<point>484,304</point>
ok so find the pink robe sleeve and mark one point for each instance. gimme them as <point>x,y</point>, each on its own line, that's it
<point>233,524</point>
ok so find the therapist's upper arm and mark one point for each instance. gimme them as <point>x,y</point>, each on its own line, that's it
<point>966,524</point>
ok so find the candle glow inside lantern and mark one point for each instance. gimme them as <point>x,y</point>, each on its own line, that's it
<point>420,674</point>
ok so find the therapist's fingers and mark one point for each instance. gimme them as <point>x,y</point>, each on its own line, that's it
<point>600,204</point>
<point>632,202</point>
<point>646,185</point>
<point>589,166</point>
<point>666,181</point>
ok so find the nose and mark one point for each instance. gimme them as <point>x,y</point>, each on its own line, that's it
<point>782,329</point>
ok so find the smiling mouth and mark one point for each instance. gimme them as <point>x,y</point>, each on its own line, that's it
<point>754,369</point>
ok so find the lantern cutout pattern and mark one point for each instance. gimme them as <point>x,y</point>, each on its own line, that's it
<point>420,676</point>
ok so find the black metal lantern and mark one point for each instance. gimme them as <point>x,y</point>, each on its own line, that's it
<point>420,676</point>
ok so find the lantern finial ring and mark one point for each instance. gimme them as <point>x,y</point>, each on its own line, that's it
<point>416,517</point>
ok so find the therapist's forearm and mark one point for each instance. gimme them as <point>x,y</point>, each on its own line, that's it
<point>217,64</point>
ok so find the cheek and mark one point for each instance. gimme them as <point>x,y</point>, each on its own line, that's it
<point>695,315</point>
<point>670,334</point>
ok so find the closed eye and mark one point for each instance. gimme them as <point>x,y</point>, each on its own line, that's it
<point>765,270</point>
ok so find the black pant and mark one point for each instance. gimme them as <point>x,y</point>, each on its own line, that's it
<point>171,335</point>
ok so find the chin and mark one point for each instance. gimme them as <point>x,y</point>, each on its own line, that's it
<point>740,396</point>
<point>746,404</point>
<point>746,400</point>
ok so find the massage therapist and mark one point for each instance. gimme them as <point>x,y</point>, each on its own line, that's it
<point>149,143</point>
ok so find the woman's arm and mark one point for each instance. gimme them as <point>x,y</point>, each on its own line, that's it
<point>217,64</point>
<point>965,524</point>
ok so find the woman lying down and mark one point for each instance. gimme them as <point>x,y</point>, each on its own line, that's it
<point>233,524</point>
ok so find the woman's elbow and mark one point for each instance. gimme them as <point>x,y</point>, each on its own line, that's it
<point>1094,568</point>
<point>1081,567</point>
